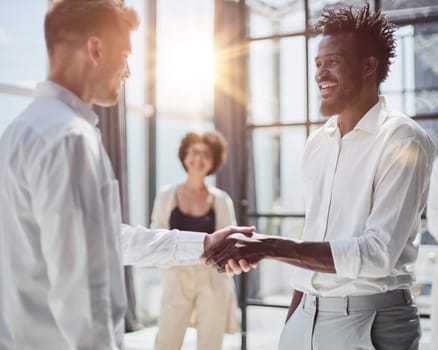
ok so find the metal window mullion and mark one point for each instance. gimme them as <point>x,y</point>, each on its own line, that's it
<point>150,98</point>
<point>307,14</point>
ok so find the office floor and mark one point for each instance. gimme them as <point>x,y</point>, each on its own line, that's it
<point>264,327</point>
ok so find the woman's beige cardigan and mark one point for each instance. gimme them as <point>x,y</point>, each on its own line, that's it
<point>224,213</point>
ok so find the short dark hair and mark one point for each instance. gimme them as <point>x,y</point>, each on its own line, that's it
<point>374,32</point>
<point>75,20</point>
<point>213,139</point>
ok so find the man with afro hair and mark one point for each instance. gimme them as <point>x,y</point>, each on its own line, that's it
<point>366,178</point>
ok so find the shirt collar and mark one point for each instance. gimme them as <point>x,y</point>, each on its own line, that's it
<point>331,125</point>
<point>370,122</point>
<point>374,118</point>
<point>49,88</point>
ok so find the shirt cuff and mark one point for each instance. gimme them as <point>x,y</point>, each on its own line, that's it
<point>346,256</point>
<point>189,246</point>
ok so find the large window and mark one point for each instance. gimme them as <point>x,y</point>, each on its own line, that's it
<point>138,112</point>
<point>23,60</point>
<point>169,93</point>
<point>184,79</point>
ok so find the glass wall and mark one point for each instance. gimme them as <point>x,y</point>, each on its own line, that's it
<point>23,59</point>
<point>138,111</point>
<point>184,79</point>
<point>169,93</point>
<point>180,70</point>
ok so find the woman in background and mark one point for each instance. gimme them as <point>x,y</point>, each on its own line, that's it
<point>196,295</point>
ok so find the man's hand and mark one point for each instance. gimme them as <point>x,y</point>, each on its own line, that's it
<point>236,268</point>
<point>219,235</point>
<point>236,254</point>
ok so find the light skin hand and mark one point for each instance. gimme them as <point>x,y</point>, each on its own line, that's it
<point>236,268</point>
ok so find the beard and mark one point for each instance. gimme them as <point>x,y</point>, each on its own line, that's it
<point>329,108</point>
<point>336,103</point>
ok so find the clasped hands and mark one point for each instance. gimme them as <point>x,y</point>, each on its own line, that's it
<point>234,249</point>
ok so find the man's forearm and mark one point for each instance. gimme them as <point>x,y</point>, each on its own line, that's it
<point>316,256</point>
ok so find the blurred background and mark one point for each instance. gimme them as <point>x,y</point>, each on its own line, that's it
<point>246,69</point>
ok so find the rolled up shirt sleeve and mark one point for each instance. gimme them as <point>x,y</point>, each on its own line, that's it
<point>401,188</point>
<point>346,257</point>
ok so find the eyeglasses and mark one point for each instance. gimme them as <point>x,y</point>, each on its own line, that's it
<point>192,152</point>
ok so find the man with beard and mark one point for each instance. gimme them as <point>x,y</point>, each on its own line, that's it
<point>366,178</point>
<point>62,245</point>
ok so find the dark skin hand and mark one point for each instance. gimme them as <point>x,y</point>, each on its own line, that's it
<point>219,235</point>
<point>233,253</point>
<point>314,256</point>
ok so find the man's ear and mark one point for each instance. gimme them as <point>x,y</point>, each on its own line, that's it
<point>370,66</point>
<point>94,49</point>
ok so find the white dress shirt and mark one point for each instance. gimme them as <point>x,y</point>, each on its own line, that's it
<point>432,203</point>
<point>364,193</point>
<point>432,225</point>
<point>61,251</point>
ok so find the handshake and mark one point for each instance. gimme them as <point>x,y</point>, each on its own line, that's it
<point>235,249</point>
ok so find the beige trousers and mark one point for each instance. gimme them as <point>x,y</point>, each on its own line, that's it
<point>196,296</point>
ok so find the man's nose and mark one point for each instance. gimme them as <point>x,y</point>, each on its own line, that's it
<point>127,71</point>
<point>321,74</point>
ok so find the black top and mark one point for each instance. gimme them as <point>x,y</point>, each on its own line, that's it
<point>204,223</point>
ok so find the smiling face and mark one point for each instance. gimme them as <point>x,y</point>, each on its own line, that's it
<point>338,73</point>
<point>198,159</point>
<point>114,69</point>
